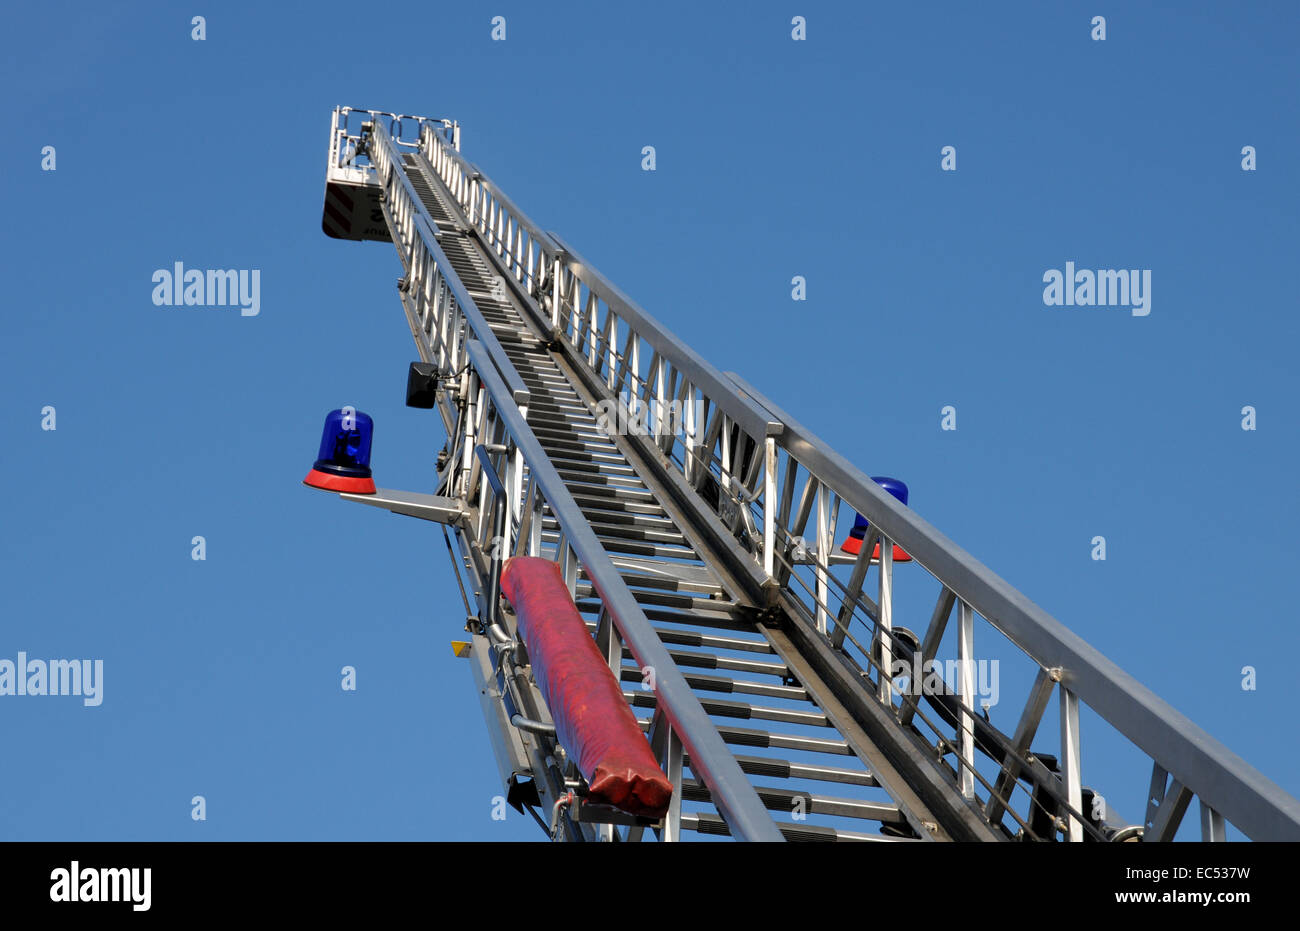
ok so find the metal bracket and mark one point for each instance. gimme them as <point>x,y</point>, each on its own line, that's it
<point>439,509</point>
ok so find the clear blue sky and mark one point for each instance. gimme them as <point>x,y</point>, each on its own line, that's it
<point>775,158</point>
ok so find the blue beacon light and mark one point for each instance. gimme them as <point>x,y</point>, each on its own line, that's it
<point>853,545</point>
<point>344,460</point>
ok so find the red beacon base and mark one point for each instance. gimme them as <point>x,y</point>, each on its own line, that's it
<point>853,546</point>
<point>350,484</point>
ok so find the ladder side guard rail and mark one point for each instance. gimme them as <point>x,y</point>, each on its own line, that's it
<point>528,253</point>
<point>713,763</point>
<point>1221,779</point>
<point>714,386</point>
<point>488,208</point>
<point>438,299</point>
<point>550,270</point>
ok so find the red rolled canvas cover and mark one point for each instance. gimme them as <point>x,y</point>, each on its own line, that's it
<point>592,719</point>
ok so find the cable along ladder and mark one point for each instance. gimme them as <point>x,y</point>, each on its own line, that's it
<point>693,522</point>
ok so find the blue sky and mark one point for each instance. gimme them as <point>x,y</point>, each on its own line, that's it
<point>775,158</point>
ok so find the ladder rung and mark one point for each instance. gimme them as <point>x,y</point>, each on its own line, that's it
<point>623,531</point>
<point>738,709</point>
<point>669,597</point>
<point>632,547</point>
<point>554,440</point>
<point>719,620</point>
<point>784,800</point>
<point>613,484</point>
<point>694,638</point>
<point>705,823</point>
<point>610,463</point>
<point>739,664</point>
<point>727,686</point>
<point>672,576</point>
<point>579,422</point>
<point>615,504</point>
<point>688,638</point>
<point>650,521</point>
<point>748,737</point>
<point>579,485</point>
<point>788,769</point>
<point>574,429</point>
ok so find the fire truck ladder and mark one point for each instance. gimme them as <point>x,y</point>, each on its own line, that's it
<point>693,521</point>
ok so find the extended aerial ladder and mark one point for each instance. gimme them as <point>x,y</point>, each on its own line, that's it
<point>694,522</point>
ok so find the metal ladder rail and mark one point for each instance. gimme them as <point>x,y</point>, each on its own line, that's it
<point>446,216</point>
<point>509,324</point>
<point>440,207</point>
<point>500,421</point>
<point>1185,760</point>
<point>921,820</point>
<point>404,225</point>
